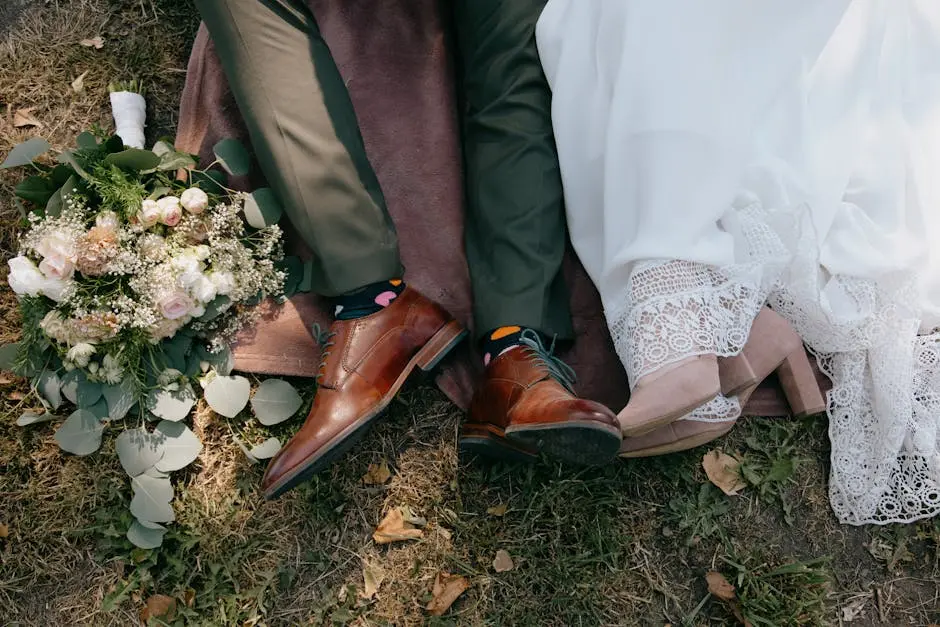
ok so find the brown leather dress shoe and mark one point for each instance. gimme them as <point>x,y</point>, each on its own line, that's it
<point>525,405</point>
<point>365,363</point>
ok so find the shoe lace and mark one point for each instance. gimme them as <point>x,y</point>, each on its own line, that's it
<point>557,369</point>
<point>322,337</point>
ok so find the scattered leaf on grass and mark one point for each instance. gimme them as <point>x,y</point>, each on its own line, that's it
<point>373,575</point>
<point>447,588</point>
<point>95,42</point>
<point>4,530</point>
<point>854,609</point>
<point>189,597</point>
<point>6,379</point>
<point>719,586</point>
<point>503,562</point>
<point>722,471</point>
<point>411,517</point>
<point>377,474</point>
<point>394,528</point>
<point>25,117</point>
<point>16,395</point>
<point>79,83</point>
<point>498,511</point>
<point>159,605</point>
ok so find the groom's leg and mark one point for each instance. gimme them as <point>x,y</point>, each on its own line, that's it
<point>304,131</point>
<point>515,226</point>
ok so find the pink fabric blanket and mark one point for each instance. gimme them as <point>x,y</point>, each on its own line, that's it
<point>394,56</point>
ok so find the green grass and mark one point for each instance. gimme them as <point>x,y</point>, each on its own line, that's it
<point>625,545</point>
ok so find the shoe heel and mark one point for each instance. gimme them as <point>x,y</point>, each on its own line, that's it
<point>799,384</point>
<point>439,346</point>
<point>736,374</point>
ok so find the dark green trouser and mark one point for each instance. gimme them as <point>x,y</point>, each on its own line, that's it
<point>307,139</point>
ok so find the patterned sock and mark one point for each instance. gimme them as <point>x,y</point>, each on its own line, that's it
<point>499,341</point>
<point>367,300</point>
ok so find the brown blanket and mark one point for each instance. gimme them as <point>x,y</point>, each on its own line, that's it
<point>394,57</point>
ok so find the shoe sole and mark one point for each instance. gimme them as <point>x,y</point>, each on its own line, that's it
<point>426,360</point>
<point>584,443</point>
<point>665,419</point>
<point>678,446</point>
<point>491,442</point>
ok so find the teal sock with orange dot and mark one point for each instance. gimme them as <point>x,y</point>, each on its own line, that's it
<point>367,300</point>
<point>500,340</point>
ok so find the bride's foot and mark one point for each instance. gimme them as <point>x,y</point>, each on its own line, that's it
<point>664,396</point>
<point>773,345</point>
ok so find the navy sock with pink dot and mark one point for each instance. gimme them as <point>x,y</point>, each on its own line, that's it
<point>367,300</point>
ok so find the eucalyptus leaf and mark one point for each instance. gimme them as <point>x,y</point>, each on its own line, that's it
<point>175,161</point>
<point>267,449</point>
<point>88,393</point>
<point>275,401</point>
<point>54,205</point>
<point>159,192</point>
<point>227,396</point>
<point>113,144</point>
<point>80,434</point>
<point>152,496</point>
<point>49,387</point>
<point>135,159</point>
<point>8,354</point>
<point>23,154</point>
<point>173,406</point>
<point>175,351</point>
<point>68,157</point>
<point>144,537</point>
<point>163,147</point>
<point>223,361</point>
<point>181,446</point>
<point>86,141</point>
<point>120,397</point>
<point>138,450</point>
<point>262,208</point>
<point>34,417</point>
<point>232,156</point>
<point>147,523</point>
<point>212,181</point>
<point>70,382</point>
<point>36,189</point>
<point>100,409</point>
<point>245,449</point>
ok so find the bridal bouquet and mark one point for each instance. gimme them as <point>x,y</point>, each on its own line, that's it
<point>135,271</point>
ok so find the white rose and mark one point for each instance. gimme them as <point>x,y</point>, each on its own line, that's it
<point>170,210</point>
<point>80,354</point>
<point>175,305</point>
<point>55,289</point>
<point>25,277</point>
<point>57,243</point>
<point>198,311</point>
<point>149,212</point>
<point>108,219</point>
<point>204,290</point>
<point>224,282</point>
<point>57,267</point>
<point>194,200</point>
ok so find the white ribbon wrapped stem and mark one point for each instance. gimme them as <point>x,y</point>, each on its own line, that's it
<point>130,115</point>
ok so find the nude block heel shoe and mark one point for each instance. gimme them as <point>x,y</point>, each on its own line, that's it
<point>769,342</point>
<point>799,385</point>
<point>669,393</point>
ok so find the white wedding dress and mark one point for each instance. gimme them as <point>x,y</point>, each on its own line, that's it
<point>721,154</point>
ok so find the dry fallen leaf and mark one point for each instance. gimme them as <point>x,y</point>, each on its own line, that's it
<point>25,117</point>
<point>410,517</point>
<point>373,575</point>
<point>446,590</point>
<point>95,42</point>
<point>189,596</point>
<point>16,395</point>
<point>377,474</point>
<point>4,530</point>
<point>6,379</point>
<point>158,605</point>
<point>394,528</point>
<point>79,83</point>
<point>719,586</point>
<point>722,470</point>
<point>503,562</point>
<point>854,609</point>
<point>498,510</point>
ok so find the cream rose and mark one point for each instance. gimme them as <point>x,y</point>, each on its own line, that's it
<point>170,211</point>
<point>175,305</point>
<point>194,200</point>
<point>149,212</point>
<point>224,282</point>
<point>57,267</point>
<point>57,244</point>
<point>204,290</point>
